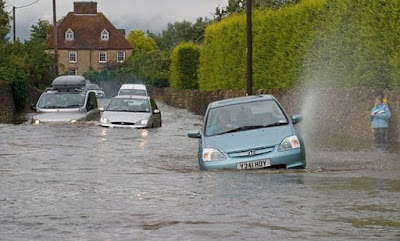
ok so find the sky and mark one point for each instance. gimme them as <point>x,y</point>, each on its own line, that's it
<point>152,15</point>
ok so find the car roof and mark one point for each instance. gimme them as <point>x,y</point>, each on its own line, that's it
<point>240,100</point>
<point>133,86</point>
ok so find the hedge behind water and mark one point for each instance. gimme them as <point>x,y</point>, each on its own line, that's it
<point>335,43</point>
<point>184,66</point>
<point>19,84</point>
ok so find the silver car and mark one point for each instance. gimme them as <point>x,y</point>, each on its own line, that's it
<point>66,101</point>
<point>131,112</point>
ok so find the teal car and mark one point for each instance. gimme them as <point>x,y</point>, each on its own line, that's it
<point>249,133</point>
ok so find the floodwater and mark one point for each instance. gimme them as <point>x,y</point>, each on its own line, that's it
<point>85,182</point>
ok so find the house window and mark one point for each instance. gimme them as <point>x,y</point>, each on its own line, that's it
<point>73,56</point>
<point>69,34</point>
<point>72,72</point>
<point>103,57</point>
<point>120,56</point>
<point>105,35</point>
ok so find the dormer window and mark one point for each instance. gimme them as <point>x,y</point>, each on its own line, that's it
<point>69,34</point>
<point>105,35</point>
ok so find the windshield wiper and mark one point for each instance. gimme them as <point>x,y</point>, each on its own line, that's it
<point>245,128</point>
<point>72,106</point>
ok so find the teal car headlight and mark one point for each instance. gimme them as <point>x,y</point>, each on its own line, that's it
<point>211,154</point>
<point>104,120</point>
<point>289,143</point>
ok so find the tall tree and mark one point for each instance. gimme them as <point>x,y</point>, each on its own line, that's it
<point>39,31</point>
<point>179,32</point>
<point>4,23</point>
<point>140,42</point>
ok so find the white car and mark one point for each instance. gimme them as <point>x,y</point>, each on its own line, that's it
<point>133,89</point>
<point>130,111</point>
<point>96,89</point>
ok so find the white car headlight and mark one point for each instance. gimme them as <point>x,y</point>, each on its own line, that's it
<point>144,121</point>
<point>35,121</point>
<point>291,142</point>
<point>104,120</point>
<point>211,154</point>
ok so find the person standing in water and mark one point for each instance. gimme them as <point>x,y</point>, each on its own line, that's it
<point>380,114</point>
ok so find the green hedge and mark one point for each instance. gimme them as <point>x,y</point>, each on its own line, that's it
<point>184,66</point>
<point>335,43</point>
<point>19,84</point>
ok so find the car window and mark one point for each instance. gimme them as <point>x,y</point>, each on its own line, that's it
<point>92,101</point>
<point>245,116</point>
<point>132,92</point>
<point>153,104</point>
<point>61,100</point>
<point>129,104</point>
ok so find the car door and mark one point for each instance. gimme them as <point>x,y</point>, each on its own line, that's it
<point>93,112</point>
<point>156,116</point>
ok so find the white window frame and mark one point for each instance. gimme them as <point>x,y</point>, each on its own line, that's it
<point>105,35</point>
<point>70,56</point>
<point>103,53</point>
<point>72,72</point>
<point>123,56</point>
<point>69,35</point>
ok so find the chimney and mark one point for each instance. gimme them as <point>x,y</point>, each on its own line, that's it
<point>85,7</point>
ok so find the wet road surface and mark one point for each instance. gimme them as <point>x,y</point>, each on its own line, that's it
<point>85,182</point>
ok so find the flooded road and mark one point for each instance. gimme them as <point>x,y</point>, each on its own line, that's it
<point>84,182</point>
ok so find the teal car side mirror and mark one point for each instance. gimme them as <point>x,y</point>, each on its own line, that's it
<point>194,134</point>
<point>296,119</point>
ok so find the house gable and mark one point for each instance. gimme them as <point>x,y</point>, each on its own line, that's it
<point>88,25</point>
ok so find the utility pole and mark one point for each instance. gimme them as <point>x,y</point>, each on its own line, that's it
<point>249,49</point>
<point>55,36</point>
<point>14,31</point>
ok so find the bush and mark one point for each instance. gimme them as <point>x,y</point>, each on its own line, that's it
<point>19,84</point>
<point>184,64</point>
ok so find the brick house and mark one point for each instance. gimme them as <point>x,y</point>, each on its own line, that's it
<point>87,39</point>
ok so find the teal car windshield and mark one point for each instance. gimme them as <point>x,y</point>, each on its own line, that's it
<point>129,105</point>
<point>246,116</point>
<point>62,100</point>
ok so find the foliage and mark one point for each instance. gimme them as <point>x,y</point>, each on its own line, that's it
<point>39,31</point>
<point>19,84</point>
<point>358,45</point>
<point>139,41</point>
<point>184,65</point>
<point>279,43</point>
<point>180,32</point>
<point>329,43</point>
<point>239,6</point>
<point>147,67</point>
<point>4,23</point>
<point>152,67</point>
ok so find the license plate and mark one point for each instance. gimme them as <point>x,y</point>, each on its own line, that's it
<point>253,164</point>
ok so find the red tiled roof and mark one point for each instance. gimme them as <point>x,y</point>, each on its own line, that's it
<point>87,30</point>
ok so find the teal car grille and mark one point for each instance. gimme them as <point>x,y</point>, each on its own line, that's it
<point>251,152</point>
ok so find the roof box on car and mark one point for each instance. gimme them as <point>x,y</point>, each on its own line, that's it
<point>68,82</point>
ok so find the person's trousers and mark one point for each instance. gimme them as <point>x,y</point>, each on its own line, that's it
<point>380,138</point>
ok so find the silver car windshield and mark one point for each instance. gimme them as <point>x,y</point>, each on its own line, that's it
<point>62,100</point>
<point>241,117</point>
<point>129,105</point>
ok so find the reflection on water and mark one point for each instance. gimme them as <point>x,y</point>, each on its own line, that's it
<point>85,182</point>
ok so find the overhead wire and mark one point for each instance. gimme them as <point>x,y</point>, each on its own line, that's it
<point>30,4</point>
